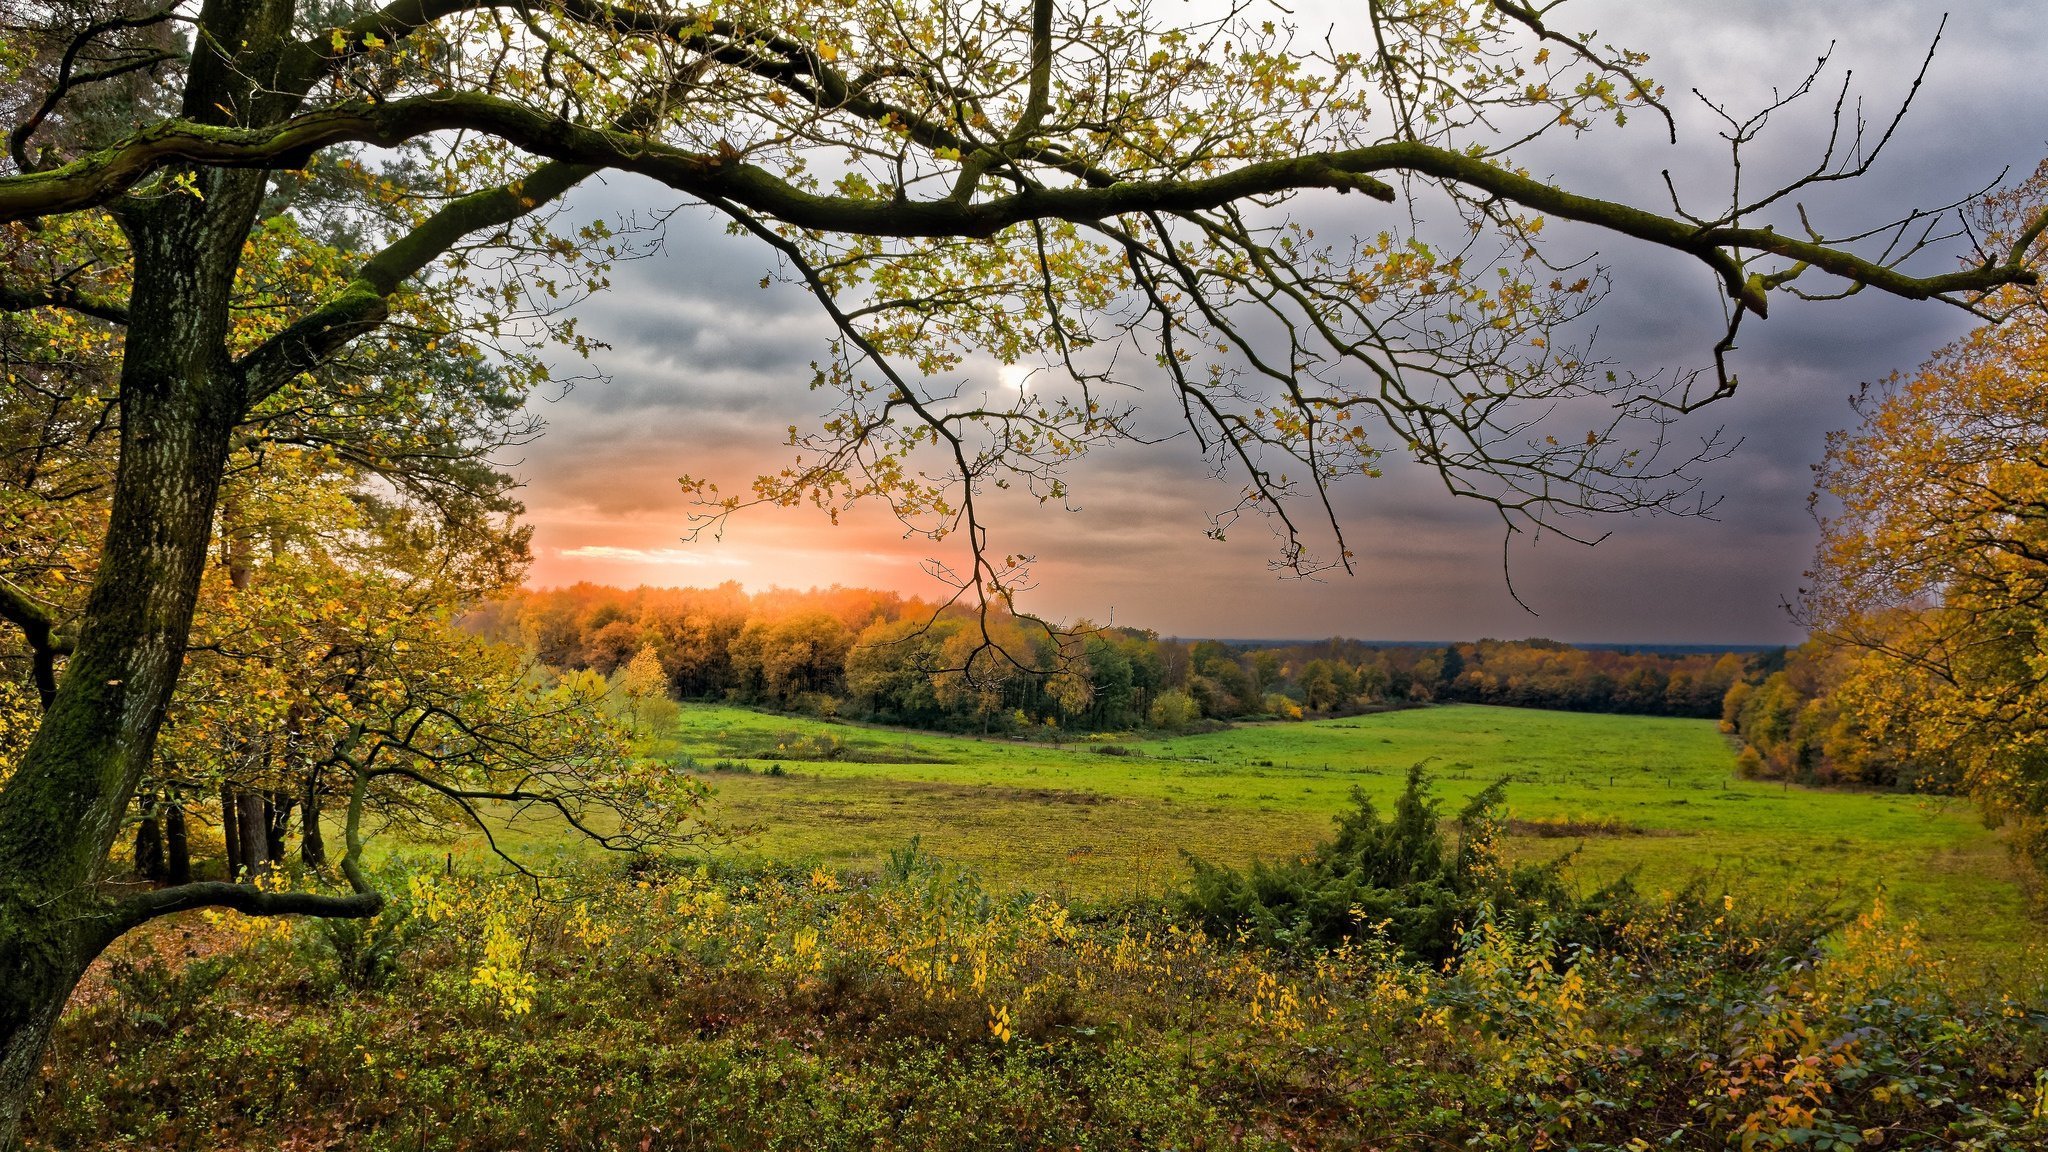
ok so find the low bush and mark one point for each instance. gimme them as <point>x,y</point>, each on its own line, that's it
<point>1400,878</point>
<point>360,955</point>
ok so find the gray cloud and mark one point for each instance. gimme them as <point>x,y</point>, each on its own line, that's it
<point>707,370</point>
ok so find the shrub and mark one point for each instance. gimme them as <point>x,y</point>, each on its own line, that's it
<point>362,955</point>
<point>1399,877</point>
<point>1282,707</point>
<point>1174,710</point>
<point>909,862</point>
<point>1748,764</point>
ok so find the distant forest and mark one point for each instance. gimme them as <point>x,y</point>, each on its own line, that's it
<point>879,656</point>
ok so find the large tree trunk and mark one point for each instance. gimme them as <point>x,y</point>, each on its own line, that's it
<point>180,399</point>
<point>37,994</point>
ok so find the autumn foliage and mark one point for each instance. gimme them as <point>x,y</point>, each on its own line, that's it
<point>882,656</point>
<point>1929,666</point>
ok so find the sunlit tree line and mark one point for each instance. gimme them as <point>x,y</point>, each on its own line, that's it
<point>881,656</point>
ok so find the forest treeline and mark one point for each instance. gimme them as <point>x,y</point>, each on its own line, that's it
<point>880,656</point>
<point>1800,723</point>
<point>1837,713</point>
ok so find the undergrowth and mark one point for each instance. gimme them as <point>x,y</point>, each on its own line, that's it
<point>675,1008</point>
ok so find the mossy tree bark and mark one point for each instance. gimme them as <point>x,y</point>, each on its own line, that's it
<point>64,807</point>
<point>181,397</point>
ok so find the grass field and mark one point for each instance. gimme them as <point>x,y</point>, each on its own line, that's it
<point>1656,797</point>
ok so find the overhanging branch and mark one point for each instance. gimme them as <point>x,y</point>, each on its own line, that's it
<point>247,899</point>
<point>28,300</point>
<point>365,301</point>
<point>103,175</point>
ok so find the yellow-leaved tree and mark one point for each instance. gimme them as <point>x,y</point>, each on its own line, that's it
<point>1935,567</point>
<point>644,685</point>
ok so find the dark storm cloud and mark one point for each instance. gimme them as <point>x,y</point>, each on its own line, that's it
<point>708,369</point>
<point>708,330</point>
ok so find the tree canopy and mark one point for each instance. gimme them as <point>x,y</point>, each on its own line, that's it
<point>1933,565</point>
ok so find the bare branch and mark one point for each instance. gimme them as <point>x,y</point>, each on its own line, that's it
<point>68,80</point>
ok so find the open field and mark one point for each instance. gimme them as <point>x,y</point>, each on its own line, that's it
<point>1656,796</point>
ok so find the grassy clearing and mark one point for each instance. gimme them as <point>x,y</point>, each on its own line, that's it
<point>1656,797</point>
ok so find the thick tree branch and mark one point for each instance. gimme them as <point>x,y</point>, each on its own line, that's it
<point>40,629</point>
<point>27,300</point>
<point>96,178</point>
<point>365,301</point>
<point>247,899</point>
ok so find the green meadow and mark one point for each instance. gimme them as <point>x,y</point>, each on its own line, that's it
<point>1653,798</point>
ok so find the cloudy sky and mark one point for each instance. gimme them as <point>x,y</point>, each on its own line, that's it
<point>706,370</point>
